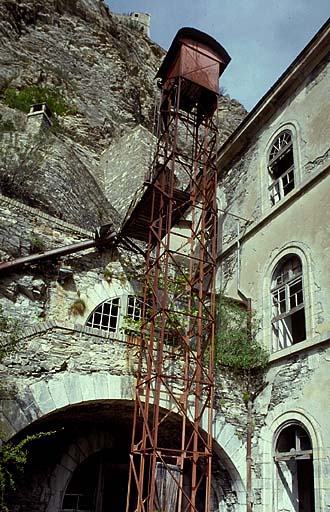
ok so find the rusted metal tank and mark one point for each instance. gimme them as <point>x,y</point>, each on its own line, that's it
<point>199,60</point>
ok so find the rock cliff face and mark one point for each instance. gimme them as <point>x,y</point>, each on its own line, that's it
<point>100,73</point>
<point>103,69</point>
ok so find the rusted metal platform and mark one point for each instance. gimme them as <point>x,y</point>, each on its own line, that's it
<point>137,223</point>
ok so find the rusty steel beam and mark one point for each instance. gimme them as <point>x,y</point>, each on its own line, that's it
<point>104,236</point>
<point>7,266</point>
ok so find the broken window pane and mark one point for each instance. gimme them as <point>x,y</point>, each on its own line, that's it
<point>295,475</point>
<point>288,323</point>
<point>105,316</point>
<point>281,167</point>
<point>134,307</point>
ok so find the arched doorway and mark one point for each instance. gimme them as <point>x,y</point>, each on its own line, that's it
<point>83,465</point>
<point>294,469</point>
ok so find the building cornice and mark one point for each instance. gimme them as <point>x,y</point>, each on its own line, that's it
<point>269,104</point>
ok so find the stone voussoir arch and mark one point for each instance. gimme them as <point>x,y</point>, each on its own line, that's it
<point>48,396</point>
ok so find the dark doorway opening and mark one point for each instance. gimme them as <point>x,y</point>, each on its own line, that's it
<point>99,484</point>
<point>294,460</point>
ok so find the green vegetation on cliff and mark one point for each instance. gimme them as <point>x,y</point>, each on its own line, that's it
<point>23,99</point>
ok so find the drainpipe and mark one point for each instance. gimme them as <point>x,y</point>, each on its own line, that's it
<point>247,301</point>
<point>249,456</point>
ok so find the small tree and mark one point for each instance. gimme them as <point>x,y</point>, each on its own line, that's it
<point>236,347</point>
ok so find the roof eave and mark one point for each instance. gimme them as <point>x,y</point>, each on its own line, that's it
<point>288,82</point>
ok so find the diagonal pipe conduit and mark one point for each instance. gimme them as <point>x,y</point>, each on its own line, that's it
<point>108,239</point>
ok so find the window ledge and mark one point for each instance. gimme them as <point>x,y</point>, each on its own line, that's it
<point>300,347</point>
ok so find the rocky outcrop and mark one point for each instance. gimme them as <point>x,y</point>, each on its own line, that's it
<point>103,72</point>
<point>100,72</point>
<point>230,114</point>
<point>103,69</point>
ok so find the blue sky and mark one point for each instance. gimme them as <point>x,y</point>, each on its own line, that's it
<point>261,36</point>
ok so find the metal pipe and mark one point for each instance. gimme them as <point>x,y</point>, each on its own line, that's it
<point>249,457</point>
<point>52,253</point>
<point>247,301</point>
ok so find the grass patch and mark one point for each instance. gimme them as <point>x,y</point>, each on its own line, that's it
<point>23,99</point>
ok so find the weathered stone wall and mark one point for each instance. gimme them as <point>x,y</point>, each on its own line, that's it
<point>138,20</point>
<point>60,367</point>
<point>254,236</point>
<point>125,166</point>
<point>61,364</point>
<point>49,172</point>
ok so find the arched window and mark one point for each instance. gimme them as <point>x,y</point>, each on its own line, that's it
<point>294,463</point>
<point>105,316</point>
<point>288,322</point>
<point>115,314</point>
<point>281,167</point>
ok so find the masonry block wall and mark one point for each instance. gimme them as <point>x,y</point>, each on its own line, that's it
<point>273,199</point>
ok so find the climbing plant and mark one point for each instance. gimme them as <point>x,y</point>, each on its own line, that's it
<point>13,459</point>
<point>235,344</point>
<point>237,349</point>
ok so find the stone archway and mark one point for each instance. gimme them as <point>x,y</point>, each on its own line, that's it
<point>82,408</point>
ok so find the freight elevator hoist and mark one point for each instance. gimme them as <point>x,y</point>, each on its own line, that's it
<point>177,217</point>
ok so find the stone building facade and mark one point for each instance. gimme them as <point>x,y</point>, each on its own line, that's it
<point>138,20</point>
<point>273,241</point>
<point>73,372</point>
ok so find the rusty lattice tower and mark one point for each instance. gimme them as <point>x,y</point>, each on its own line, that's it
<point>170,467</point>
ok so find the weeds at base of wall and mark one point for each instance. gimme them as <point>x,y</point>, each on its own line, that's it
<point>78,307</point>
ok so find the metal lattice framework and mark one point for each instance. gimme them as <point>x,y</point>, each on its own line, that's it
<point>175,368</point>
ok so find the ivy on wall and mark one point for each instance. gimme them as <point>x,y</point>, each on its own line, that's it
<point>235,342</point>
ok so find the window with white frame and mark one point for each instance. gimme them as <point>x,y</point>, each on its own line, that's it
<point>105,316</point>
<point>281,167</point>
<point>115,314</point>
<point>131,322</point>
<point>288,322</point>
<point>134,307</point>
